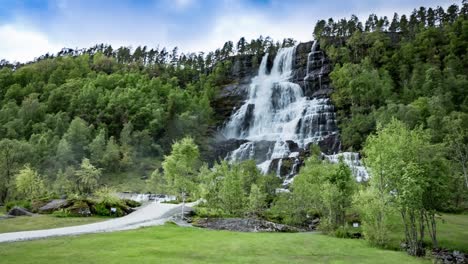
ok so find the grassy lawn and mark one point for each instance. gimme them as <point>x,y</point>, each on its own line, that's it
<point>24,223</point>
<point>452,232</point>
<point>172,244</point>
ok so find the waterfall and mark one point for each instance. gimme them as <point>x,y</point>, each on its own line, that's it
<point>310,60</point>
<point>354,163</point>
<point>279,121</point>
<point>277,111</point>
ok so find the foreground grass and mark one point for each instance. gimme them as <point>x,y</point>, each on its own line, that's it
<point>26,223</point>
<point>172,244</point>
<point>452,232</point>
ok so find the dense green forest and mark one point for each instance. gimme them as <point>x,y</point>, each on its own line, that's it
<point>412,68</point>
<point>400,89</point>
<point>122,109</point>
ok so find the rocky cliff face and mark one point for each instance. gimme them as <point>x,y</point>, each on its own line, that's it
<point>312,68</point>
<point>232,95</point>
<point>315,125</point>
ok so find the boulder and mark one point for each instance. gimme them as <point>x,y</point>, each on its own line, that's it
<point>19,211</point>
<point>312,224</point>
<point>446,256</point>
<point>80,208</point>
<point>36,204</point>
<point>54,205</point>
<point>243,225</point>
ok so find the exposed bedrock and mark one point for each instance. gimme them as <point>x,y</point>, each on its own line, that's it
<point>273,113</point>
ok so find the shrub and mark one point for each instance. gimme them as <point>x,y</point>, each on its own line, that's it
<point>80,208</point>
<point>11,204</point>
<point>64,212</point>
<point>107,195</point>
<point>29,183</point>
<point>374,211</point>
<point>205,212</point>
<point>131,203</point>
<point>104,209</point>
<point>101,209</point>
<point>347,232</point>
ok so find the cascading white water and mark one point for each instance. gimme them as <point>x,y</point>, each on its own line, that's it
<point>354,163</point>
<point>310,60</point>
<point>277,111</point>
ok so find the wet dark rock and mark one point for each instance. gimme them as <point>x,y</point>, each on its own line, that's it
<point>262,150</point>
<point>324,92</point>
<point>293,147</point>
<point>313,78</point>
<point>230,97</point>
<point>19,211</point>
<point>312,224</point>
<point>243,66</point>
<point>330,144</point>
<point>282,167</point>
<point>243,225</point>
<point>220,148</point>
<point>311,71</point>
<point>54,205</point>
<point>248,117</point>
<point>80,208</point>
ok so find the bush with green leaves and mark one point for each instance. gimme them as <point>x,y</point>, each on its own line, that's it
<point>409,173</point>
<point>374,208</point>
<point>23,204</point>
<point>64,212</point>
<point>180,168</point>
<point>29,184</point>
<point>87,177</point>
<point>320,188</point>
<point>237,189</point>
<point>101,209</point>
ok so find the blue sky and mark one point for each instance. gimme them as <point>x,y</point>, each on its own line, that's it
<point>31,28</point>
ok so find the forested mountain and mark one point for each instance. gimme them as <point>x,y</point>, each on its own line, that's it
<point>366,123</point>
<point>123,108</point>
<point>412,67</point>
<point>115,107</point>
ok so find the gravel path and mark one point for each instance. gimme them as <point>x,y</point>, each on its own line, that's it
<point>147,215</point>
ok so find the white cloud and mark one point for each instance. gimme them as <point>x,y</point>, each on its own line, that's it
<point>250,25</point>
<point>189,24</point>
<point>22,44</point>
